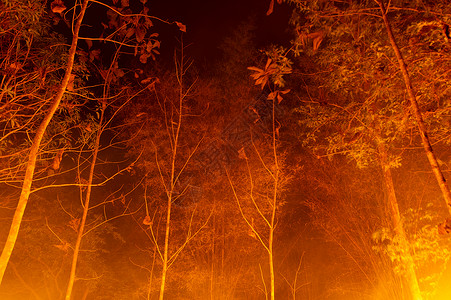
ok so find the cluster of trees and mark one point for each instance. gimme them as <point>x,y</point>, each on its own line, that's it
<point>304,171</point>
<point>365,104</point>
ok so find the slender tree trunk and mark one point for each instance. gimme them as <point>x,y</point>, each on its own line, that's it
<point>274,203</point>
<point>166,249</point>
<point>149,290</point>
<point>212,266</point>
<point>271,262</point>
<point>31,164</point>
<point>271,245</point>
<point>175,134</point>
<point>407,259</point>
<point>223,242</point>
<point>85,294</point>
<point>416,111</point>
<point>81,228</point>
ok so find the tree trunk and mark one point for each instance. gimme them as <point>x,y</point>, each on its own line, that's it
<point>85,294</point>
<point>212,266</point>
<point>175,138</point>
<point>81,228</point>
<point>274,203</point>
<point>149,290</point>
<point>166,248</point>
<point>31,164</point>
<point>271,262</point>
<point>271,238</point>
<point>223,243</point>
<point>397,225</point>
<point>417,113</point>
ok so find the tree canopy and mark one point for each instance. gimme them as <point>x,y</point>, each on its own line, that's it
<point>313,168</point>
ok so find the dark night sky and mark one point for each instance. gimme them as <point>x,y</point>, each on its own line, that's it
<point>208,21</point>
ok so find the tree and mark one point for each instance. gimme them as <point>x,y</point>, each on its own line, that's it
<point>128,30</point>
<point>415,23</point>
<point>265,187</point>
<point>260,209</point>
<point>86,185</point>
<point>324,29</point>
<point>168,146</point>
<point>28,179</point>
<point>127,36</point>
<point>416,109</point>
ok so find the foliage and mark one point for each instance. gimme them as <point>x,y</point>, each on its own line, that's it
<point>358,102</point>
<point>431,253</point>
<point>276,67</point>
<point>33,57</point>
<point>341,84</point>
<point>359,98</point>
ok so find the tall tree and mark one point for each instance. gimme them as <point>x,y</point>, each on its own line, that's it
<point>28,179</point>
<point>262,205</point>
<point>324,29</point>
<point>415,107</point>
<point>128,30</point>
<point>111,77</point>
<point>169,140</point>
<point>417,28</point>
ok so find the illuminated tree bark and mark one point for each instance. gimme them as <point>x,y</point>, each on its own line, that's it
<point>81,228</point>
<point>416,111</point>
<point>398,228</point>
<point>164,270</point>
<point>174,136</point>
<point>101,127</point>
<point>268,215</point>
<point>31,164</point>
<point>272,223</point>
